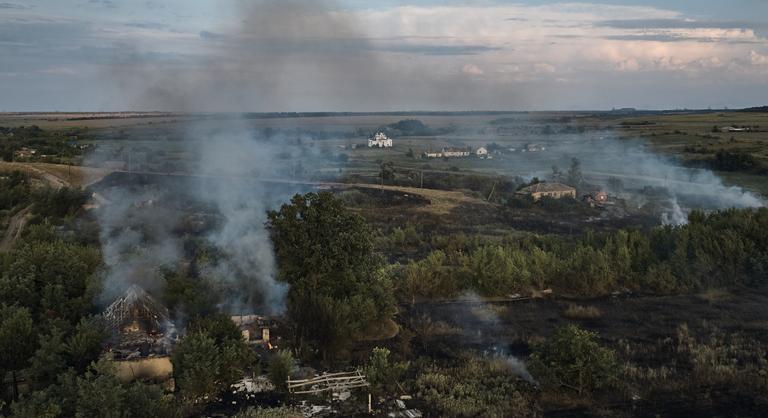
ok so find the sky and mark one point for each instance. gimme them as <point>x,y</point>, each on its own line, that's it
<point>355,55</point>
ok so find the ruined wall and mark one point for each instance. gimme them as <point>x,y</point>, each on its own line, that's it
<point>155,368</point>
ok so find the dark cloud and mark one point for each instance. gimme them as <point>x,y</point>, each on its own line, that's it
<point>14,6</point>
<point>104,3</point>
<point>423,49</point>
<point>212,35</point>
<point>147,25</point>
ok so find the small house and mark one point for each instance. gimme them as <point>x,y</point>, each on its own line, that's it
<point>482,152</point>
<point>553,190</point>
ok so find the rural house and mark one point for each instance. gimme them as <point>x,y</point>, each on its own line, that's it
<point>553,190</point>
<point>453,152</point>
<point>482,152</point>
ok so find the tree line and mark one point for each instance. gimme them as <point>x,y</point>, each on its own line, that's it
<point>723,248</point>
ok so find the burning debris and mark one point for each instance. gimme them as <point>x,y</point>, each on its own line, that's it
<point>140,325</point>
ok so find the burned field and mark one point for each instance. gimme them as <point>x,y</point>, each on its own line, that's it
<point>677,355</point>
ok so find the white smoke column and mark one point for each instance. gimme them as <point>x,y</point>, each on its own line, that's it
<point>242,203</point>
<point>675,216</point>
<point>250,64</point>
<point>493,325</point>
<point>519,368</point>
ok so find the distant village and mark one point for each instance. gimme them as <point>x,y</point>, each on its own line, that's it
<point>381,140</point>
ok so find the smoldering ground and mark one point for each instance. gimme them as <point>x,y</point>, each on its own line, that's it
<point>487,326</point>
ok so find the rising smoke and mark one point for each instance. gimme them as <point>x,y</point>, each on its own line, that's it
<point>251,63</point>
<point>645,175</point>
<point>490,326</point>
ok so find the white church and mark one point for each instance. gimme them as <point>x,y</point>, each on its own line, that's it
<point>380,140</point>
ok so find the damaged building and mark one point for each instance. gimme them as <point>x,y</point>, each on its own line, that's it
<point>552,190</point>
<point>258,330</point>
<point>142,336</point>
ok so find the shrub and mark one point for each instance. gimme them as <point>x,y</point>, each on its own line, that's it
<point>572,358</point>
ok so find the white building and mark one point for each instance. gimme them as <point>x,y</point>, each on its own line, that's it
<point>380,140</point>
<point>452,152</point>
<point>482,152</point>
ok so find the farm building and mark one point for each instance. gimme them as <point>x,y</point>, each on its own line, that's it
<point>380,140</point>
<point>553,190</point>
<point>453,152</point>
<point>481,152</point>
<point>449,152</point>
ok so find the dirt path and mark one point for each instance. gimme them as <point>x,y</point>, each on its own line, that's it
<point>39,170</point>
<point>18,221</point>
<point>15,226</point>
<point>441,201</point>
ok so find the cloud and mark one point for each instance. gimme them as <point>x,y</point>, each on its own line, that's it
<point>757,58</point>
<point>212,35</point>
<point>425,49</point>
<point>472,69</point>
<point>305,55</point>
<point>14,6</point>
<point>104,3</point>
<point>147,25</point>
<point>678,24</point>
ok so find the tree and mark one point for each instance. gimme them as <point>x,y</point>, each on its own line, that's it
<point>325,254</point>
<point>18,341</point>
<point>281,365</point>
<point>49,360</point>
<point>210,358</point>
<point>85,344</point>
<point>195,365</point>
<point>573,358</point>
<point>53,279</point>
<point>387,172</point>
<point>381,372</point>
<point>96,393</point>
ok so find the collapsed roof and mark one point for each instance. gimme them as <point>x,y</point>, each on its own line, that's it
<point>136,304</point>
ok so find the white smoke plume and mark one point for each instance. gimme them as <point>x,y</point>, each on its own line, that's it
<point>492,326</point>
<point>228,147</point>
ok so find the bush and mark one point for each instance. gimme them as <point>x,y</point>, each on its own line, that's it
<point>281,365</point>
<point>572,358</point>
<point>479,388</point>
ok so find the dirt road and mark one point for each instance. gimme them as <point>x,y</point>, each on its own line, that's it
<point>15,225</point>
<point>18,221</point>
